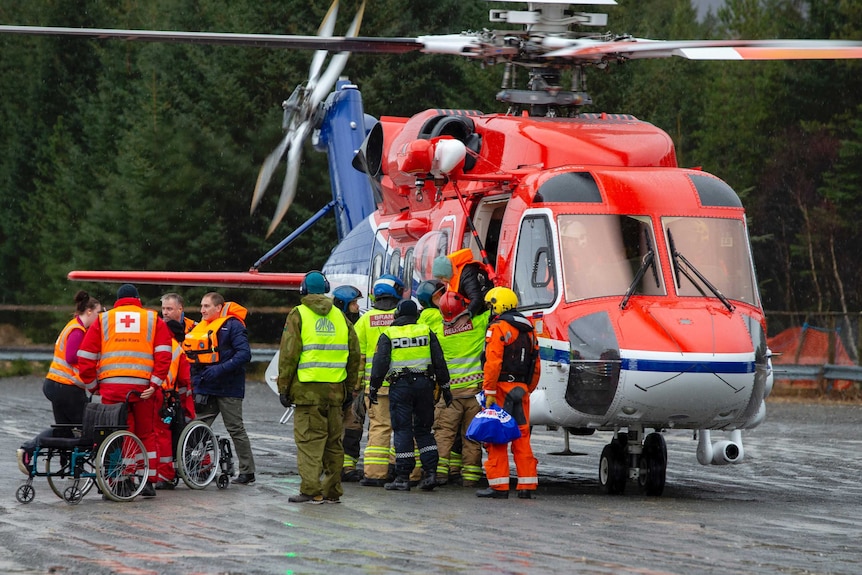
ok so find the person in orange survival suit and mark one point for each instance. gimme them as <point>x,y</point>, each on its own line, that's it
<point>511,365</point>
<point>177,389</point>
<point>129,350</point>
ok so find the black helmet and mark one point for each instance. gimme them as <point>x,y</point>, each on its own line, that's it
<point>406,307</point>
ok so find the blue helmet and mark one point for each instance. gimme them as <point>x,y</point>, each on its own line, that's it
<point>427,289</point>
<point>387,285</point>
<point>343,295</point>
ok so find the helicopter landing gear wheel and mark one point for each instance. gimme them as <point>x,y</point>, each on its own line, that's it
<point>25,493</point>
<point>612,468</point>
<point>653,465</point>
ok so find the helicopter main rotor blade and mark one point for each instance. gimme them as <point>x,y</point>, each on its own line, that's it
<point>332,44</point>
<point>638,48</point>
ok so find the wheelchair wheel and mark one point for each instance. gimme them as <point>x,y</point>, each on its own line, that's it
<point>122,466</point>
<point>25,493</point>
<point>197,455</point>
<point>60,480</point>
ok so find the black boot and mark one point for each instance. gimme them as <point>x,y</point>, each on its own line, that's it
<point>492,493</point>
<point>399,484</point>
<point>429,482</point>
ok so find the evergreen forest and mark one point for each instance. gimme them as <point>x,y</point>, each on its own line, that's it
<point>138,155</point>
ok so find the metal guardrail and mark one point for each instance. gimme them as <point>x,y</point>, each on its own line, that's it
<point>817,372</point>
<point>46,354</point>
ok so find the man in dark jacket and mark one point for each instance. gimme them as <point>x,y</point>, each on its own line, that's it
<point>218,373</point>
<point>410,358</point>
<point>318,367</point>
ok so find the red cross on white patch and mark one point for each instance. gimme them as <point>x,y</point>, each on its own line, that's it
<point>127,322</point>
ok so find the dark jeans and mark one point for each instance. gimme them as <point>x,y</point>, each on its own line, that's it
<point>411,409</point>
<point>68,402</point>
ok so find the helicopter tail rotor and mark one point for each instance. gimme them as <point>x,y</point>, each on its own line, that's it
<point>299,116</point>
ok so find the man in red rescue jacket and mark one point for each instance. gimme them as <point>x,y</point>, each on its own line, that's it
<point>128,349</point>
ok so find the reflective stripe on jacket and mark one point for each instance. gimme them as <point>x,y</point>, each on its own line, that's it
<point>368,329</point>
<point>127,354</point>
<point>324,346</point>
<point>61,371</point>
<point>411,349</point>
<point>462,345</point>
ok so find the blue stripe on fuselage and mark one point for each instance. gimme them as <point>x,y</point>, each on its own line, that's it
<point>682,366</point>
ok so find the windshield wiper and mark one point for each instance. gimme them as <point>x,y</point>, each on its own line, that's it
<point>678,257</point>
<point>648,260</point>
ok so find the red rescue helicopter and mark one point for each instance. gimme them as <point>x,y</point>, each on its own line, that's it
<point>636,273</point>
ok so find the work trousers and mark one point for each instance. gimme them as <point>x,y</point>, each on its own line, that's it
<point>377,448</point>
<point>352,437</point>
<point>411,409</point>
<point>451,424</point>
<point>231,413</point>
<point>68,403</point>
<point>515,399</point>
<point>317,433</point>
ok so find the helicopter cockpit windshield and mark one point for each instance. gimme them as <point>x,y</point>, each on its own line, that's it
<point>602,254</point>
<point>716,249</point>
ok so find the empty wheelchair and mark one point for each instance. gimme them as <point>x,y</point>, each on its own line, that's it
<point>105,453</point>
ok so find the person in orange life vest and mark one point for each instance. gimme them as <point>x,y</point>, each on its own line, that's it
<point>466,276</point>
<point>62,386</point>
<point>172,308</point>
<point>129,350</point>
<point>511,365</point>
<point>177,388</point>
<point>218,373</point>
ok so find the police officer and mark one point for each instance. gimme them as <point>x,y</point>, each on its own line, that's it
<point>409,356</point>
<point>511,365</point>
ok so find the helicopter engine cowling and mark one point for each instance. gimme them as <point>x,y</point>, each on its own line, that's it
<point>721,452</point>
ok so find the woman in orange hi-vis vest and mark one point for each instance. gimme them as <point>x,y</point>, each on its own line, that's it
<point>63,388</point>
<point>511,365</point>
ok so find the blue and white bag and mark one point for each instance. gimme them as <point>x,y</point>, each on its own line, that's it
<point>493,425</point>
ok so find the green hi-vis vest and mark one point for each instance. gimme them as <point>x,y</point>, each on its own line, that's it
<point>324,346</point>
<point>368,329</point>
<point>411,349</point>
<point>462,345</point>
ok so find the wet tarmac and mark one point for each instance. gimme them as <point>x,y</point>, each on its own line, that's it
<point>791,508</point>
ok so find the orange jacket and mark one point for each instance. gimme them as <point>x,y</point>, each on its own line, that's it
<point>503,331</point>
<point>128,347</point>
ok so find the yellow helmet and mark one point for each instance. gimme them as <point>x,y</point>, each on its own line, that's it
<point>500,299</point>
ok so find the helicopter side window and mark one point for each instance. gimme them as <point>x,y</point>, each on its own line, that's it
<point>428,247</point>
<point>408,273</point>
<point>395,264</point>
<point>716,249</point>
<point>601,255</point>
<point>534,264</point>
